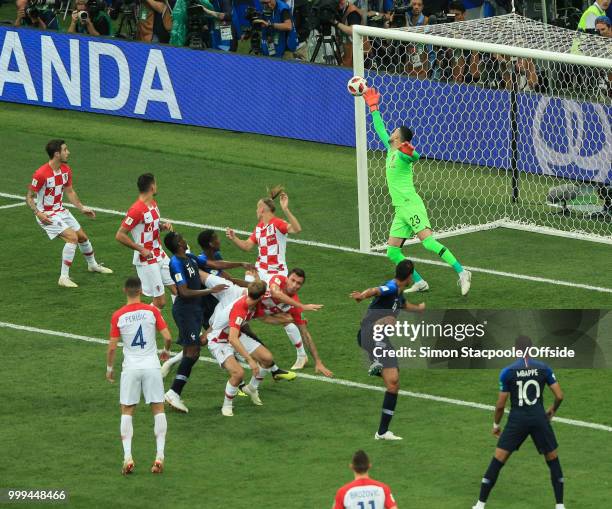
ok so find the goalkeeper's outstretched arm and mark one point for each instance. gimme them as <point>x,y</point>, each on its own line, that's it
<point>372,97</point>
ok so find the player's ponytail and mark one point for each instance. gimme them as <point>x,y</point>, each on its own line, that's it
<point>272,195</point>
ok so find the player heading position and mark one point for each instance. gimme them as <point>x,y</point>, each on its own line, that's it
<point>227,339</point>
<point>135,324</point>
<point>270,236</point>
<point>523,382</point>
<point>186,311</point>
<point>44,197</point>
<point>410,213</point>
<point>363,492</point>
<point>388,301</point>
<point>143,222</point>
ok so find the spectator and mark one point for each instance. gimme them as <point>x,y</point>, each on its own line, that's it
<point>155,20</point>
<point>597,9</point>
<point>349,16</point>
<point>415,16</point>
<point>278,32</point>
<point>417,64</point>
<point>27,16</point>
<point>223,35</point>
<point>603,25</point>
<point>87,18</point>
<point>459,65</point>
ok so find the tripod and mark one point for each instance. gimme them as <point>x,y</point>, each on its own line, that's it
<point>325,36</point>
<point>127,25</point>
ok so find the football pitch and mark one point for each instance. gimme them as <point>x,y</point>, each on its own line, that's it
<point>61,418</point>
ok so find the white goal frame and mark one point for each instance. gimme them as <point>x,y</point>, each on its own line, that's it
<point>360,33</point>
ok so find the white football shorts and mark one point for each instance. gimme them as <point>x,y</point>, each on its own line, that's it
<point>61,222</point>
<point>146,381</point>
<point>154,277</point>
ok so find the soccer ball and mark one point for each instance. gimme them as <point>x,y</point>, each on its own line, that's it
<point>357,86</point>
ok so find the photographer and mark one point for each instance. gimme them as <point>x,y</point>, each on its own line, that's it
<point>155,21</point>
<point>223,35</point>
<point>461,66</point>
<point>87,18</point>
<point>277,31</point>
<point>349,15</point>
<point>29,15</point>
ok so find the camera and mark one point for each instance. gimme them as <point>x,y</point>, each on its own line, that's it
<point>120,7</point>
<point>253,33</point>
<point>398,16</point>
<point>198,36</point>
<point>323,13</point>
<point>32,9</point>
<point>441,17</point>
<point>83,16</point>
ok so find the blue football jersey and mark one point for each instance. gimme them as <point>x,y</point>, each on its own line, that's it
<point>525,380</point>
<point>185,271</point>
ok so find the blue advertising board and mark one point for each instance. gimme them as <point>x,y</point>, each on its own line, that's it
<point>452,122</point>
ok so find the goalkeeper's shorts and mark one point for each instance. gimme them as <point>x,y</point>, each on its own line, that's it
<point>409,219</point>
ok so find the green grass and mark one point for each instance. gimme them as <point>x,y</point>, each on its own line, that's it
<point>61,418</point>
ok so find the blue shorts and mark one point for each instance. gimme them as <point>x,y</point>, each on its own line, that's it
<point>189,322</point>
<point>519,427</point>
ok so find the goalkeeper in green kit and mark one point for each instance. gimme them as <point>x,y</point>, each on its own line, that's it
<point>410,214</point>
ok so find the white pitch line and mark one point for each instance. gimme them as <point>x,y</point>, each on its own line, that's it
<point>347,249</point>
<point>335,381</point>
<point>10,205</point>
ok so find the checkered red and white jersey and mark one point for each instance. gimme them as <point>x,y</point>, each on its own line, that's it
<point>367,493</point>
<point>142,221</point>
<point>273,307</point>
<point>49,187</point>
<point>136,324</point>
<point>271,239</point>
<point>235,315</point>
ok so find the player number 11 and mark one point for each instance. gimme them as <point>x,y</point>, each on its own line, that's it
<point>371,505</point>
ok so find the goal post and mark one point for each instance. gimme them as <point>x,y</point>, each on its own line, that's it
<point>513,120</point>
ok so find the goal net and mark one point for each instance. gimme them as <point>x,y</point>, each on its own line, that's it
<point>512,118</point>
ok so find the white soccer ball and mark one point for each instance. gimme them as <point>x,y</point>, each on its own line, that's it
<point>357,86</point>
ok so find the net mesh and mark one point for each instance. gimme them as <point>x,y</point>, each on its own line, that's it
<point>503,138</point>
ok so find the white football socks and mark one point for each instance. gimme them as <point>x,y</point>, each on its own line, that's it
<point>127,431</point>
<point>67,257</point>
<point>255,381</point>
<point>296,338</point>
<point>160,428</point>
<point>88,252</point>
<point>230,394</point>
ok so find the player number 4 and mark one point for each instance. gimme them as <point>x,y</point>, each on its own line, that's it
<point>522,392</point>
<point>139,338</point>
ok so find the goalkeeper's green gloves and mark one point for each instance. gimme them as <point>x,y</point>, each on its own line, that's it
<point>371,97</point>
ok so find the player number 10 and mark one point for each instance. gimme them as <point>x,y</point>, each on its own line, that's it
<point>522,392</point>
